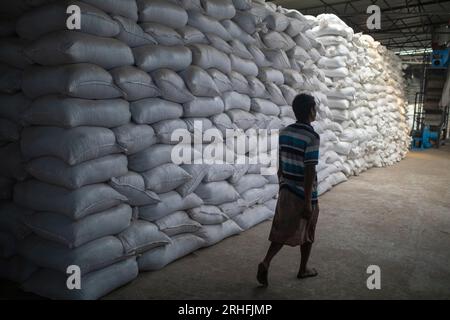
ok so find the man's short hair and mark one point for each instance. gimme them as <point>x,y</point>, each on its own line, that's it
<point>302,105</point>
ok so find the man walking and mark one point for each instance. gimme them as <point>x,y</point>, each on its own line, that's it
<point>297,208</point>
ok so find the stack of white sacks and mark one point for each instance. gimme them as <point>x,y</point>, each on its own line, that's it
<point>74,143</point>
<point>99,187</point>
<point>366,99</point>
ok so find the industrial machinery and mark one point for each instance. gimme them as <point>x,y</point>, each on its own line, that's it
<point>424,139</point>
<point>430,126</point>
<point>440,58</point>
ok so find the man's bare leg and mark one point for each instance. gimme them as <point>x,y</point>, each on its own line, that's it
<point>304,271</point>
<point>273,250</point>
<point>263,267</point>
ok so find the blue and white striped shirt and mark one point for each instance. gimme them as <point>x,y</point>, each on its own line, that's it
<point>298,147</point>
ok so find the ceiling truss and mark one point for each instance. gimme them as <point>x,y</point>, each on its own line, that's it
<point>405,25</point>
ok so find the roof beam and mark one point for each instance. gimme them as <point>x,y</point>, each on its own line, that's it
<point>413,42</point>
<point>388,9</point>
<point>421,26</point>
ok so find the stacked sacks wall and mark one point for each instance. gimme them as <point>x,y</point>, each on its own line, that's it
<point>97,143</point>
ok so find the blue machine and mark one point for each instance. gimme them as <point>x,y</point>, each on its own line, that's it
<point>425,139</point>
<point>440,58</point>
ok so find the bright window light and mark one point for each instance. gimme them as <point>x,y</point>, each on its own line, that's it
<point>413,52</point>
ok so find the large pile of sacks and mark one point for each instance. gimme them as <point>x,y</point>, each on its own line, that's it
<point>88,176</point>
<point>367,125</point>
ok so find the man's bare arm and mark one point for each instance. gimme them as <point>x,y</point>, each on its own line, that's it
<point>310,175</point>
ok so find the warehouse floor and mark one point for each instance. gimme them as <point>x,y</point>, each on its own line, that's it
<point>397,218</point>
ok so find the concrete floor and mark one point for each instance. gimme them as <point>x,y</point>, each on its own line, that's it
<point>397,218</point>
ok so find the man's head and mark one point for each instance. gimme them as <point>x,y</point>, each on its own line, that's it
<point>304,106</point>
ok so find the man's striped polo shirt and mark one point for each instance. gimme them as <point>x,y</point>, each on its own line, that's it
<point>299,146</point>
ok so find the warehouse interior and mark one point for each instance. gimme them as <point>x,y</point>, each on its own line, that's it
<point>94,206</point>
